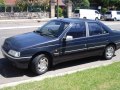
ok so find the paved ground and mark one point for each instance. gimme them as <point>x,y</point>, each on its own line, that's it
<point>9,74</point>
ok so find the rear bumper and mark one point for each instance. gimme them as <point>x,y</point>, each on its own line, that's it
<point>21,62</point>
<point>108,18</point>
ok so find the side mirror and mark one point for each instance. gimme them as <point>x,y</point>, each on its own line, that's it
<point>69,38</point>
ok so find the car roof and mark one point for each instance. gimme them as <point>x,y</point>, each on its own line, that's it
<point>75,20</point>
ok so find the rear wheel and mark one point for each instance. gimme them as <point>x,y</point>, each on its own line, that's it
<point>115,19</point>
<point>109,52</point>
<point>40,64</point>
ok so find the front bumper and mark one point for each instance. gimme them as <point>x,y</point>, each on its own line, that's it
<point>21,62</point>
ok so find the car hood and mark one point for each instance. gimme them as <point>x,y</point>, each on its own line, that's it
<point>26,40</point>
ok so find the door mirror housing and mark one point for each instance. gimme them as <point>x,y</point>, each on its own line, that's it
<point>69,38</point>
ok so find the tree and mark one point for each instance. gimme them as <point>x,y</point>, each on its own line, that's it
<point>22,4</point>
<point>42,3</point>
<point>80,3</point>
<point>1,2</point>
<point>85,4</point>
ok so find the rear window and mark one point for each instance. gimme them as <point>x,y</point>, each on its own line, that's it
<point>108,13</point>
<point>76,11</point>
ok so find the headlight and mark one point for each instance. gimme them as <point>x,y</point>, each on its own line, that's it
<point>14,53</point>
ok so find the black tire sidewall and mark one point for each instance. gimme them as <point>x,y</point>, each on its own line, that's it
<point>35,64</point>
<point>107,58</point>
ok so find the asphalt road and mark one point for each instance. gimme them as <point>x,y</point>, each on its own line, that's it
<point>9,74</point>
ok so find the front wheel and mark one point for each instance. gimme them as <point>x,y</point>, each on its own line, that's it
<point>96,19</point>
<point>109,52</point>
<point>115,19</point>
<point>40,64</point>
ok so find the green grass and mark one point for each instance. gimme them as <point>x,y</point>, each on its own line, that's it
<point>102,78</point>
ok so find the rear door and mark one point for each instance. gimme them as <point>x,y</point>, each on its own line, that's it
<point>97,38</point>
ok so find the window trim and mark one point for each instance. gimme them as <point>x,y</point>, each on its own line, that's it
<point>79,37</point>
<point>95,35</point>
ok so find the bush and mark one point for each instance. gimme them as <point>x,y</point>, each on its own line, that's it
<point>60,12</point>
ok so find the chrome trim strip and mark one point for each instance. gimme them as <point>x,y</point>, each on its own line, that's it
<point>99,35</point>
<point>76,50</point>
<point>12,56</point>
<point>56,54</point>
<point>96,47</point>
<point>87,29</point>
<point>84,49</point>
<point>117,42</point>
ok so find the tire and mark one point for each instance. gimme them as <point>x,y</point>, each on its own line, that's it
<point>84,18</point>
<point>96,18</point>
<point>115,19</point>
<point>109,52</point>
<point>40,64</point>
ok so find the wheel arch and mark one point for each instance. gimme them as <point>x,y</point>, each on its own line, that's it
<point>112,44</point>
<point>43,52</point>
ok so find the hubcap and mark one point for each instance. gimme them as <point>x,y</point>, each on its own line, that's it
<point>43,64</point>
<point>109,52</point>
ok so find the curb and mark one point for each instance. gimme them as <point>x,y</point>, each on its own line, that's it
<point>51,76</point>
<point>21,20</point>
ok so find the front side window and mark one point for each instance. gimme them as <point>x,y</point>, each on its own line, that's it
<point>95,29</point>
<point>53,28</point>
<point>77,30</point>
<point>97,12</point>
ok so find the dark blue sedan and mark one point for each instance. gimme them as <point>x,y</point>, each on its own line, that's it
<point>59,41</point>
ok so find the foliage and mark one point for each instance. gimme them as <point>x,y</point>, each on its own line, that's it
<point>60,11</point>
<point>1,2</point>
<point>85,4</point>
<point>102,78</point>
<point>81,3</point>
<point>39,5</point>
<point>22,4</point>
<point>104,10</point>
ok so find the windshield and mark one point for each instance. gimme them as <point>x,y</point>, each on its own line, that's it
<point>53,28</point>
<point>108,13</point>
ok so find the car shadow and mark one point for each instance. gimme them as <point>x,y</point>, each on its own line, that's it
<point>76,62</point>
<point>7,70</point>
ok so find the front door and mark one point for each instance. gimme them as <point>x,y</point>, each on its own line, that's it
<point>76,47</point>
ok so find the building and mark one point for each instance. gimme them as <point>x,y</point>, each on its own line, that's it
<point>9,2</point>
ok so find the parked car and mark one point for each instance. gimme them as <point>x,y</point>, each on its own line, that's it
<point>87,14</point>
<point>112,15</point>
<point>59,41</point>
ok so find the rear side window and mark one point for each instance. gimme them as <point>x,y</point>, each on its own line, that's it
<point>96,29</point>
<point>118,13</point>
<point>77,30</point>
